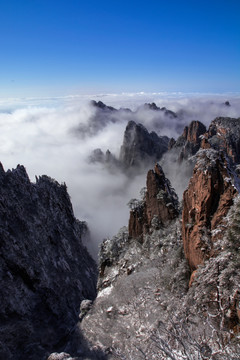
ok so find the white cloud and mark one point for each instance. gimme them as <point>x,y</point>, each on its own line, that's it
<point>41,134</point>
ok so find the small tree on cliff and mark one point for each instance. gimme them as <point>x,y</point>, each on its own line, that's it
<point>133,204</point>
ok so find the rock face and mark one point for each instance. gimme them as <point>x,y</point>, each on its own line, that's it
<point>107,159</point>
<point>141,147</point>
<point>153,106</point>
<point>45,270</point>
<point>206,202</point>
<point>224,134</point>
<point>189,142</point>
<point>102,106</point>
<point>160,204</point>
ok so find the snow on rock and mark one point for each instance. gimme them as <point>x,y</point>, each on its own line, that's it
<point>43,265</point>
<point>205,204</point>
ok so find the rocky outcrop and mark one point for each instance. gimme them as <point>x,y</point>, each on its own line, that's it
<point>206,202</point>
<point>61,356</point>
<point>189,142</point>
<point>45,270</point>
<point>159,206</point>
<point>102,106</point>
<point>107,159</point>
<point>224,135</point>
<point>141,147</point>
<point>161,199</point>
<point>169,113</point>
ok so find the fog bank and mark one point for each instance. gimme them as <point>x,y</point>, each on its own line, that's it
<point>53,137</point>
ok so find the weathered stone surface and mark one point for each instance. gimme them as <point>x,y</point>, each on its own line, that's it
<point>141,147</point>
<point>137,224</point>
<point>171,143</point>
<point>189,142</point>
<point>224,134</point>
<point>161,199</point>
<point>153,106</point>
<point>84,308</point>
<point>107,159</point>
<point>60,356</point>
<point>102,106</point>
<point>234,316</point>
<point>161,204</point>
<point>45,271</point>
<point>205,204</point>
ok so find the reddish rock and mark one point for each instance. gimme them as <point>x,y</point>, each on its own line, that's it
<point>195,130</point>
<point>161,200</point>
<point>160,203</point>
<point>205,144</point>
<point>205,203</point>
<point>190,140</point>
<point>137,222</point>
<point>192,278</point>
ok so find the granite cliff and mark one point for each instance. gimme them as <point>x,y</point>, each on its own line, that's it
<point>45,270</point>
<point>206,202</point>
<point>160,204</point>
<point>141,147</point>
<point>189,142</point>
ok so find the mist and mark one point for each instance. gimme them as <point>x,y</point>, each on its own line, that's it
<point>56,137</point>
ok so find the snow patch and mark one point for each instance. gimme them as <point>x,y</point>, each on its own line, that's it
<point>105,292</point>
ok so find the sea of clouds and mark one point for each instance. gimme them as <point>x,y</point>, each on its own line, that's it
<point>50,136</point>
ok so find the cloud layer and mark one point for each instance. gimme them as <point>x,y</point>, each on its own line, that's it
<point>45,136</point>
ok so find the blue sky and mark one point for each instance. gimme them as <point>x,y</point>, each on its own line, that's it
<point>52,48</point>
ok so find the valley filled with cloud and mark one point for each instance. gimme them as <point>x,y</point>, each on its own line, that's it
<point>56,136</point>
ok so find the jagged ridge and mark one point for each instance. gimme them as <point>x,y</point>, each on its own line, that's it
<point>45,269</point>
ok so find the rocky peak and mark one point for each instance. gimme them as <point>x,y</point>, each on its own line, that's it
<point>102,106</point>
<point>161,199</point>
<point>160,204</point>
<point>152,106</point>
<point>205,204</point>
<point>141,147</point>
<point>189,142</point>
<point>224,134</point>
<point>194,130</point>
<point>107,159</point>
<point>45,269</point>
<point>171,143</point>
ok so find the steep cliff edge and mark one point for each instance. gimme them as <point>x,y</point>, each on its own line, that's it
<point>45,270</point>
<point>224,134</point>
<point>189,142</point>
<point>206,202</point>
<point>160,204</point>
<point>141,147</point>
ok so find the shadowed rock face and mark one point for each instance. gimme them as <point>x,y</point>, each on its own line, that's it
<point>206,202</point>
<point>102,106</point>
<point>141,147</point>
<point>154,107</point>
<point>45,270</point>
<point>189,142</point>
<point>160,204</point>
<point>224,134</point>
